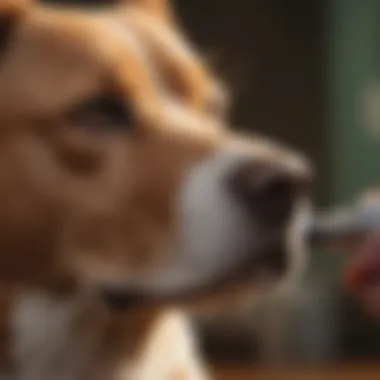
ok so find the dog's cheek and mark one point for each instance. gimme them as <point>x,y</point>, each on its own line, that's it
<point>79,153</point>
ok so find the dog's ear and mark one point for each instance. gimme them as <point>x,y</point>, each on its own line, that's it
<point>11,12</point>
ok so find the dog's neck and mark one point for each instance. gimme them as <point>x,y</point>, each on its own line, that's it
<point>52,337</point>
<point>71,338</point>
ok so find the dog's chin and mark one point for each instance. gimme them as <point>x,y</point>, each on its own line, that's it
<point>254,275</point>
<point>274,262</point>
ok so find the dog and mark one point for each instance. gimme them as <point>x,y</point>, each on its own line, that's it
<point>120,180</point>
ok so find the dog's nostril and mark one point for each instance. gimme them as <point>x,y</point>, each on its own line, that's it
<point>267,190</point>
<point>273,184</point>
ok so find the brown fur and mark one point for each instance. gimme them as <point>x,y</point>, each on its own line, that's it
<point>76,199</point>
<point>47,186</point>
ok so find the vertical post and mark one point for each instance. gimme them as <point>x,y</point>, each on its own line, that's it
<point>354,147</point>
<point>354,151</point>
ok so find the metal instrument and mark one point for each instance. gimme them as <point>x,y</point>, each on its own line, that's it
<point>342,225</point>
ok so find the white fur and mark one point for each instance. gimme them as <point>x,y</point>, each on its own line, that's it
<point>298,247</point>
<point>169,353</point>
<point>45,346</point>
<point>212,226</point>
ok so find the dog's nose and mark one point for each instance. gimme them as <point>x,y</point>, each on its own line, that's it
<point>267,190</point>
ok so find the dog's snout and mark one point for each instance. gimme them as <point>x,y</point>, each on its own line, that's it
<point>267,190</point>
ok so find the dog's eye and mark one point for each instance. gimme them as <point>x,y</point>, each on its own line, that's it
<point>102,113</point>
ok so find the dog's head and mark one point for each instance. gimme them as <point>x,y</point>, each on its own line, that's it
<point>116,163</point>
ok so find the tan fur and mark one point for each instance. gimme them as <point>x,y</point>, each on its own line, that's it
<point>84,201</point>
<point>76,203</point>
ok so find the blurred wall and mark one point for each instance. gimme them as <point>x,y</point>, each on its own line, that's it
<point>270,54</point>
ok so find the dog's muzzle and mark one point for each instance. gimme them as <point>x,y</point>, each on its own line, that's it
<point>235,217</point>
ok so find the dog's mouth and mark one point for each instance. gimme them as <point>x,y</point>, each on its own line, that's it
<point>261,272</point>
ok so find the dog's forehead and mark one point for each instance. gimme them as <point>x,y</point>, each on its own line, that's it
<point>70,53</point>
<point>172,57</point>
<point>57,57</point>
